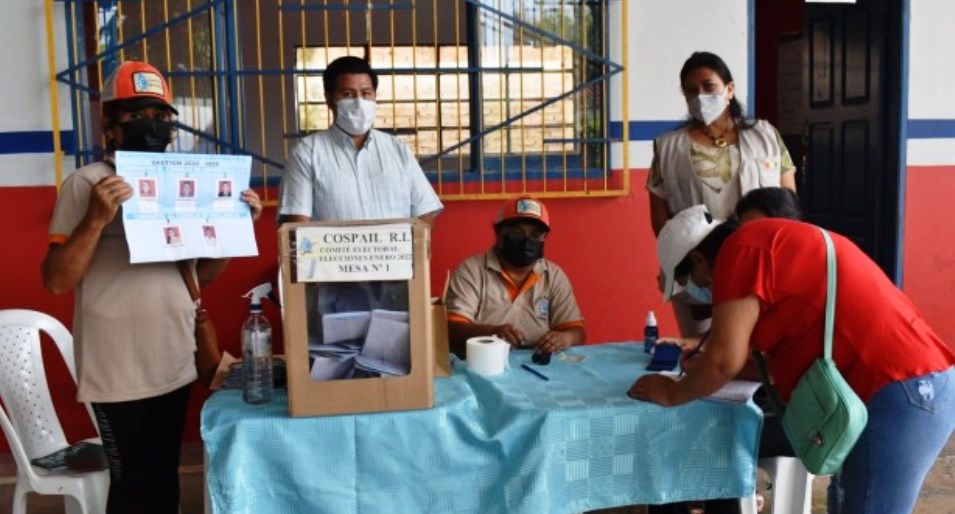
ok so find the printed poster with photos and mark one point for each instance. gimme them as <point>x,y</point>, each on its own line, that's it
<point>186,206</point>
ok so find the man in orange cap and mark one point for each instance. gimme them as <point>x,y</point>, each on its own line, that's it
<point>133,324</point>
<point>511,291</point>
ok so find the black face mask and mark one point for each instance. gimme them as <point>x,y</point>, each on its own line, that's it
<point>146,135</point>
<point>520,250</point>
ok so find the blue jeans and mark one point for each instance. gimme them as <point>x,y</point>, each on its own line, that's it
<point>909,423</point>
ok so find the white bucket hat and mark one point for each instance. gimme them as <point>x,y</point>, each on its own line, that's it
<point>678,236</point>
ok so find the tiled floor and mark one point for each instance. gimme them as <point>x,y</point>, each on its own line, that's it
<point>938,493</point>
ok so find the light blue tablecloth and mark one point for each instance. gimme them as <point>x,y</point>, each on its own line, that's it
<point>513,443</point>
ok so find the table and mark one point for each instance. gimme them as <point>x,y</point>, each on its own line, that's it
<point>513,443</point>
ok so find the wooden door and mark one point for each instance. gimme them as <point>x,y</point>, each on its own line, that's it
<point>851,182</point>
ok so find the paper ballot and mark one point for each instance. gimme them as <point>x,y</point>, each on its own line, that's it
<point>380,367</point>
<point>342,326</point>
<point>388,341</point>
<point>336,350</point>
<point>326,368</point>
<point>737,391</point>
<point>392,315</point>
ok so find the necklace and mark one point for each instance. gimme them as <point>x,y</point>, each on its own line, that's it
<point>718,140</point>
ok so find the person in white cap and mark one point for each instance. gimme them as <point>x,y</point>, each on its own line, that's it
<point>675,251</point>
<point>512,291</point>
<point>134,325</point>
<point>769,282</point>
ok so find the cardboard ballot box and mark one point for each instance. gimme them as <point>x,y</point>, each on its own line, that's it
<point>358,318</point>
<point>439,333</point>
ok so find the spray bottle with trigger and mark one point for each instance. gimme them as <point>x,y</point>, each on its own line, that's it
<point>257,349</point>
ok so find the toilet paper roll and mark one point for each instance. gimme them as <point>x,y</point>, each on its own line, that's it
<point>487,355</point>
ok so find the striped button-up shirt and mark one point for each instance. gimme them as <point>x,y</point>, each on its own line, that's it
<point>328,179</point>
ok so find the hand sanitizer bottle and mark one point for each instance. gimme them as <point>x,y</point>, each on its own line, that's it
<point>257,350</point>
<point>650,332</point>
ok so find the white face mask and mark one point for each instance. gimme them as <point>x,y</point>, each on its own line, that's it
<point>355,115</point>
<point>707,108</point>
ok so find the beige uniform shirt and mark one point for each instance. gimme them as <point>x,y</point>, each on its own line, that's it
<point>480,292</point>
<point>132,324</point>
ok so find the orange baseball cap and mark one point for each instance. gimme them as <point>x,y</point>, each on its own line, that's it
<point>137,80</point>
<point>524,207</point>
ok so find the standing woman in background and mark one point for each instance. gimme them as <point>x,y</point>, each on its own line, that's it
<point>714,159</point>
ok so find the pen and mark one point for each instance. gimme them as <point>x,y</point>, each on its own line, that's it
<point>534,371</point>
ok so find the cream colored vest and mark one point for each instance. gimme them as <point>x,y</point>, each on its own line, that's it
<point>760,163</point>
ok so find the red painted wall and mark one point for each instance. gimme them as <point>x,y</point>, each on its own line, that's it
<point>604,244</point>
<point>928,271</point>
<point>28,211</point>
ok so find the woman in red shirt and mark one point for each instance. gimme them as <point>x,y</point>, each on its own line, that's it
<point>768,279</point>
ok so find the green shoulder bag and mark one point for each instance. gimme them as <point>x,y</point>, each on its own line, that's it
<point>824,417</point>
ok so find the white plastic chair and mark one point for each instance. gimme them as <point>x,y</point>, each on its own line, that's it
<point>791,486</point>
<point>29,420</point>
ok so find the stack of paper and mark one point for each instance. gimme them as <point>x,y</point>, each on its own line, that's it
<point>343,334</point>
<point>376,343</point>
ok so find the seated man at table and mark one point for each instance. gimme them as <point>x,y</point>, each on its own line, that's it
<point>511,291</point>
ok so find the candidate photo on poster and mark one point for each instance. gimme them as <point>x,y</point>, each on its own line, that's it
<point>172,236</point>
<point>209,235</point>
<point>147,188</point>
<point>187,188</point>
<point>225,189</point>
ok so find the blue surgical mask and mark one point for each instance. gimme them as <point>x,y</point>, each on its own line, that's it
<point>700,294</point>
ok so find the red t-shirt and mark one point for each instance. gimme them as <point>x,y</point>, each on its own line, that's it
<point>879,337</point>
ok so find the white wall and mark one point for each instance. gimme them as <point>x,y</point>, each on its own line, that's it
<point>26,91</point>
<point>931,58</point>
<point>931,84</point>
<point>662,35</point>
